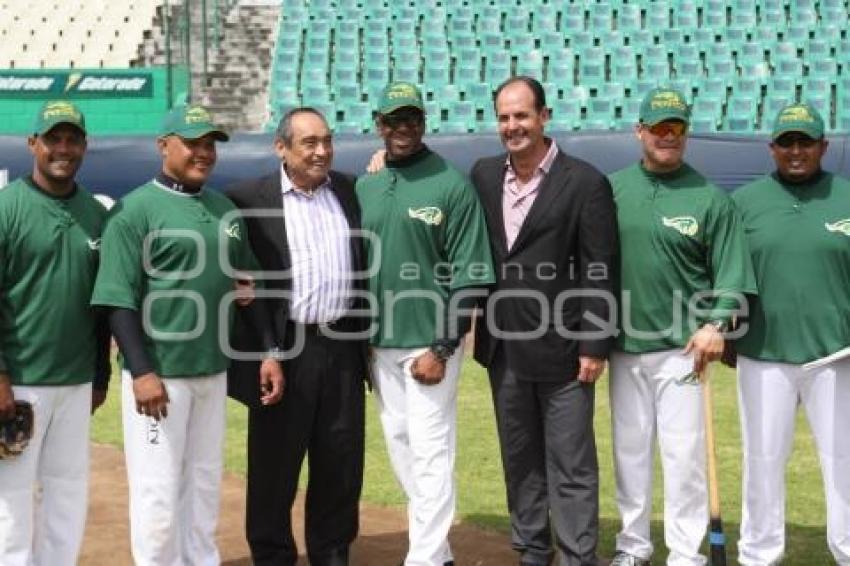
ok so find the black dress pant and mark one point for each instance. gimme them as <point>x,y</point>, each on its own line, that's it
<point>550,464</point>
<point>321,415</point>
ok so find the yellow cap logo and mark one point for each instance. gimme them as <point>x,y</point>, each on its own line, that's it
<point>667,99</point>
<point>60,109</point>
<point>402,91</point>
<point>796,114</point>
<point>196,114</point>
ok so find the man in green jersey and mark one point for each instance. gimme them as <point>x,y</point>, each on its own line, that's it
<point>429,254</point>
<point>684,268</point>
<point>171,249</point>
<point>797,221</point>
<point>52,347</point>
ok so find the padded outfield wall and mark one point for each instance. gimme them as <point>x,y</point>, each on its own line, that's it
<point>115,101</point>
<point>114,165</point>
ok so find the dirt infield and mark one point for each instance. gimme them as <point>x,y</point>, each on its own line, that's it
<point>382,540</point>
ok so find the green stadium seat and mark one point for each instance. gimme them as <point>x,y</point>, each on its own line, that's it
<point>464,41</point>
<point>705,36</point>
<point>782,50</point>
<point>630,112</point>
<point>689,69</point>
<point>342,75</point>
<point>782,85</point>
<point>521,43</point>
<point>657,19</point>
<point>346,93</point>
<point>713,22</point>
<point>561,71</point>
<point>433,116</point>
<point>406,74</point>
<point>653,53</point>
<point>758,70</point>
<point>579,93</point>
<point>315,94</point>
<point>552,42</point>
<point>747,85</point>
<point>721,68</point>
<point>671,38</point>
<point>285,94</point>
<point>581,40</point>
<point>685,85</point>
<point>713,87</point>
<point>739,124</point>
<point>639,88</point>
<point>826,67</point>
<point>566,114</point>
<point>464,113</point>
<point>447,93</point>
<point>658,71</point>
<point>628,17</point>
<point>640,38</point>
<point>544,19</point>
<point>531,64</point>
<point>496,73</point>
<point>492,42</point>
<point>773,19</point>
<point>707,108</point>
<point>285,75</point>
<point>613,90</point>
<point>479,93</point>
<point>625,71</point>
<point>773,103</point>
<point>593,124</point>
<point>486,24</point>
<point>789,68</point>
<point>591,73</point>
<point>571,24</point>
<point>610,39</point>
<point>796,33</point>
<point>702,125</point>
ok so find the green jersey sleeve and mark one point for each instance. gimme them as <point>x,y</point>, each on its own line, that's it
<point>467,245</point>
<point>120,277</point>
<point>730,262</point>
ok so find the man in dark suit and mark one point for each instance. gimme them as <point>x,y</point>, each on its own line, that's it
<point>301,222</point>
<point>547,332</point>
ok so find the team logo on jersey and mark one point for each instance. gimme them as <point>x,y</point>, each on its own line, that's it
<point>841,226</point>
<point>232,231</point>
<point>685,225</point>
<point>430,215</point>
<point>94,244</point>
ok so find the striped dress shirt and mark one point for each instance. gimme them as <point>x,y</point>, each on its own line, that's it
<point>517,199</point>
<point>319,241</point>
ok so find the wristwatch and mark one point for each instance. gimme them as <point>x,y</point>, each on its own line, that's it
<point>720,325</point>
<point>442,351</point>
<point>274,353</point>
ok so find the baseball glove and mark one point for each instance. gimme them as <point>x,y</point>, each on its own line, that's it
<point>16,432</point>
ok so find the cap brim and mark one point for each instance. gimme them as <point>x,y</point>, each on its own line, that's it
<point>796,130</point>
<point>664,118</point>
<point>49,127</point>
<point>394,107</point>
<point>195,133</point>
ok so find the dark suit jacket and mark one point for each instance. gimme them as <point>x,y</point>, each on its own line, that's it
<point>268,241</point>
<point>568,242</point>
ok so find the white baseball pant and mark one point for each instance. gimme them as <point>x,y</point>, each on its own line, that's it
<point>419,423</point>
<point>174,469</point>
<point>768,396</point>
<point>44,491</point>
<point>647,400</point>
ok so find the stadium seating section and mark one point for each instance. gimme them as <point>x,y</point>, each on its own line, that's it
<point>83,50</point>
<point>737,60</point>
<point>72,33</point>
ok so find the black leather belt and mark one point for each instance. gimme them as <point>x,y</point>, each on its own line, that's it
<point>318,329</point>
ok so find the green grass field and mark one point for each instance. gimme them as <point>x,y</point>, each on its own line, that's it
<point>481,499</point>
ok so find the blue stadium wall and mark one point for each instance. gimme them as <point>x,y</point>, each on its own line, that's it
<point>114,165</point>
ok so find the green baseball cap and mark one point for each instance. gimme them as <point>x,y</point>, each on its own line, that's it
<point>662,104</point>
<point>190,122</point>
<point>799,117</point>
<point>398,95</point>
<point>55,112</point>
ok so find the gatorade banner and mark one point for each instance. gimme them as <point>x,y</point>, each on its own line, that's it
<point>75,84</point>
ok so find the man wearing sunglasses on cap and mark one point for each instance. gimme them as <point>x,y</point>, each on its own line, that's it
<point>797,221</point>
<point>680,237</point>
<point>429,252</point>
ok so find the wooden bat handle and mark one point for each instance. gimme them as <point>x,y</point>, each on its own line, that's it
<point>708,409</point>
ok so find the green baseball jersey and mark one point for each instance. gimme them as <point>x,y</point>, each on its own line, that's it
<point>799,238</point>
<point>683,257</point>
<point>429,239</point>
<point>49,249</point>
<point>161,256</point>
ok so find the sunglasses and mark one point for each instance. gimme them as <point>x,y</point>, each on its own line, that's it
<point>399,119</point>
<point>661,129</point>
<point>787,142</point>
